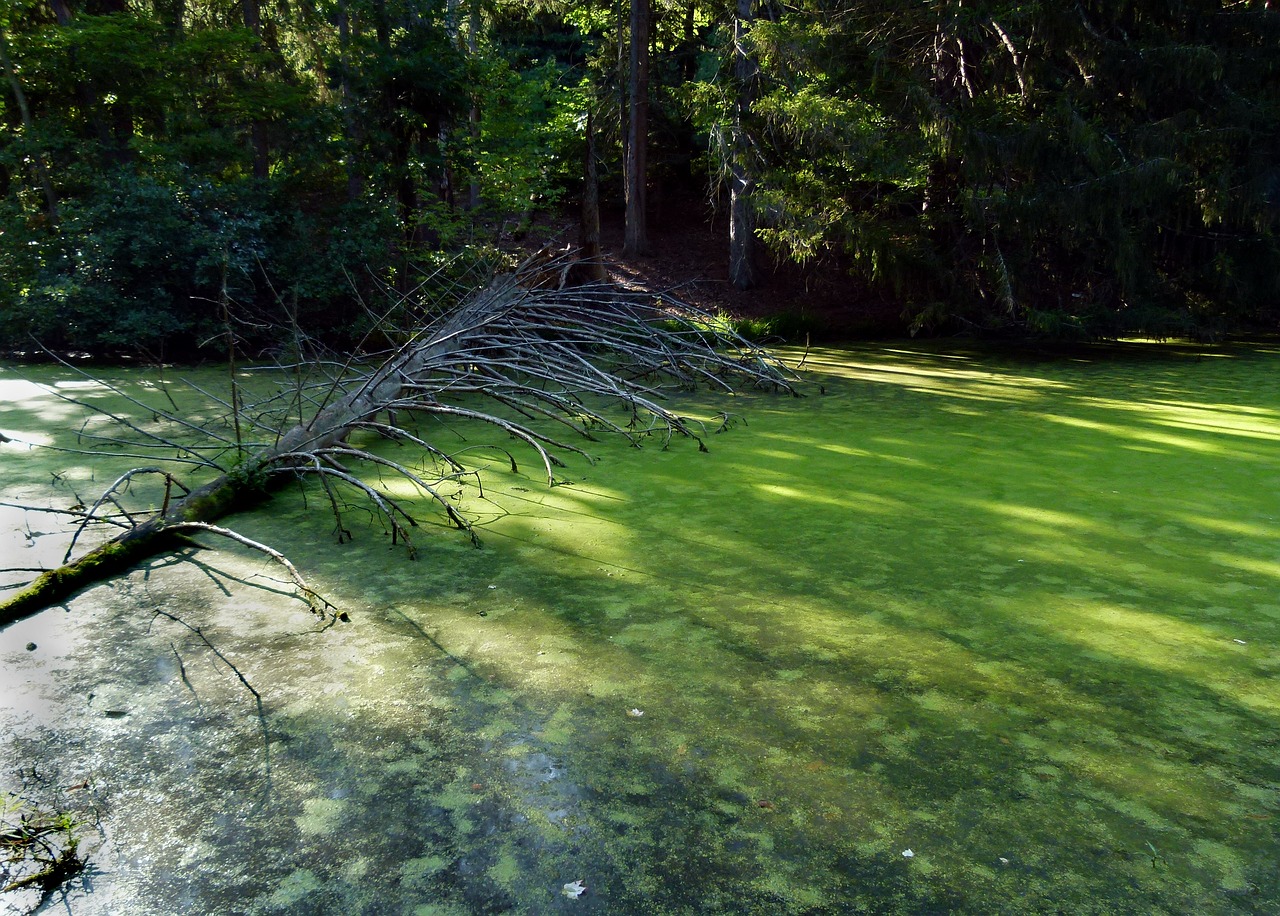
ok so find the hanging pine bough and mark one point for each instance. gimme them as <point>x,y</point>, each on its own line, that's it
<point>521,346</point>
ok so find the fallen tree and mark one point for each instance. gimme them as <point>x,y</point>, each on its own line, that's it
<point>530,348</point>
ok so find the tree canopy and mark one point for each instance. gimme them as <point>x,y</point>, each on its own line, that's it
<point>170,169</point>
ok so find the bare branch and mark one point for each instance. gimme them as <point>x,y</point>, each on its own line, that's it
<point>108,495</point>
<point>521,341</point>
<point>318,603</point>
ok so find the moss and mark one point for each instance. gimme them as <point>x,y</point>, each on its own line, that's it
<point>294,888</point>
<point>57,585</point>
<point>321,816</point>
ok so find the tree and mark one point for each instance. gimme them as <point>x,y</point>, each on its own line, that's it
<point>742,269</point>
<point>40,163</point>
<point>589,222</point>
<point>996,166</point>
<point>1087,169</point>
<point>637,166</point>
<point>531,348</point>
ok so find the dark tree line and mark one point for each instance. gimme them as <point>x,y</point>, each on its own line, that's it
<point>174,170</point>
<point>1082,168</point>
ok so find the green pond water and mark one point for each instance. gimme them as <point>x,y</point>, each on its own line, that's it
<point>956,632</point>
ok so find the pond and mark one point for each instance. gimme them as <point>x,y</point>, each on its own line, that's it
<point>956,632</point>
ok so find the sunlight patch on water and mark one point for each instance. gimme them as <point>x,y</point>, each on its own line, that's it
<point>1231,526</point>
<point>1268,568</point>
<point>17,392</point>
<point>1137,434</point>
<point>1199,652</point>
<point>736,682</point>
<point>1214,419</point>
<point>1046,520</point>
<point>929,375</point>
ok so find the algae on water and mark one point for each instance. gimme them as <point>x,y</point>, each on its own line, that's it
<point>1014,615</point>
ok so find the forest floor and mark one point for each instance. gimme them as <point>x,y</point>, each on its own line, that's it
<point>690,259</point>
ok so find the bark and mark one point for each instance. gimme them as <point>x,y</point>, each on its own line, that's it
<point>473,115</point>
<point>350,120</point>
<point>251,12</point>
<point>624,110</point>
<point>146,540</point>
<point>226,494</point>
<point>636,240</point>
<point>87,93</point>
<point>40,163</point>
<point>589,230</point>
<point>520,341</point>
<point>689,64</point>
<point>742,271</point>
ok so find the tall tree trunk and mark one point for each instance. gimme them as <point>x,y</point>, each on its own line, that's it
<point>742,271</point>
<point>252,13</point>
<point>351,123</point>
<point>173,14</point>
<point>689,64</point>
<point>41,164</point>
<point>589,236</point>
<point>624,110</point>
<point>473,116</point>
<point>636,241</point>
<point>85,90</point>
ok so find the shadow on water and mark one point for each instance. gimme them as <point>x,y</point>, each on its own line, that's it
<point>1015,616</point>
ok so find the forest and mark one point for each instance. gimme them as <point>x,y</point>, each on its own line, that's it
<point>304,301</point>
<point>1026,169</point>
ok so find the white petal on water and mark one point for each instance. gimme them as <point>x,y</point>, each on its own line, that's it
<point>574,889</point>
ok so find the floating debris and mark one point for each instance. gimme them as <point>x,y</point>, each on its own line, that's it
<point>574,889</point>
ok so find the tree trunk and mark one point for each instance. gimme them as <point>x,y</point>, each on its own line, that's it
<point>520,340</point>
<point>589,234</point>
<point>350,120</point>
<point>624,110</point>
<point>473,116</point>
<point>231,491</point>
<point>742,271</point>
<point>85,90</point>
<point>152,537</point>
<point>636,240</point>
<point>252,14</point>
<point>40,163</point>
<point>689,64</point>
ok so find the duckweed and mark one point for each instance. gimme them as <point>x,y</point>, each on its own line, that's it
<point>1014,614</point>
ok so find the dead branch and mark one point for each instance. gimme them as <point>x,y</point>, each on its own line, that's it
<point>530,349</point>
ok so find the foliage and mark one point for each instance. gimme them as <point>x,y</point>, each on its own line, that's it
<point>1084,170</point>
<point>39,847</point>
<point>1092,170</point>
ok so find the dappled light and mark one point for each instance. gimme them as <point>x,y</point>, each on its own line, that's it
<point>1005,639</point>
<point>946,378</point>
